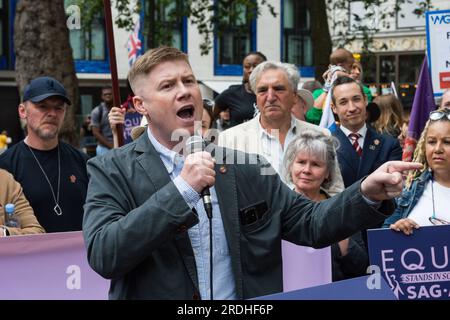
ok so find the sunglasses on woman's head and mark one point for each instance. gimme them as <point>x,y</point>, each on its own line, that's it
<point>439,114</point>
<point>437,221</point>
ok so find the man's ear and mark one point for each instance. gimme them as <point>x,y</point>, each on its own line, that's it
<point>22,111</point>
<point>333,107</point>
<point>294,100</point>
<point>138,103</point>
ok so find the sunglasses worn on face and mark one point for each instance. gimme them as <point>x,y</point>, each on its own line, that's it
<point>439,114</point>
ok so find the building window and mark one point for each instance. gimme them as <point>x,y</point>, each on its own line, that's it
<point>161,16</point>
<point>362,17</point>
<point>402,69</point>
<point>236,39</point>
<point>406,18</point>
<point>89,45</point>
<point>7,12</point>
<point>296,35</point>
<point>3,32</point>
<point>408,74</point>
<point>387,70</point>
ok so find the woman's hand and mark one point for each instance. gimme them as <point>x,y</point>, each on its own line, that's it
<point>406,225</point>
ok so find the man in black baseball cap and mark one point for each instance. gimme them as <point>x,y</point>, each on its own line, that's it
<point>42,88</point>
<point>52,173</point>
<point>43,108</point>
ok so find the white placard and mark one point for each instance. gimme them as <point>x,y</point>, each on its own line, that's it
<point>438,48</point>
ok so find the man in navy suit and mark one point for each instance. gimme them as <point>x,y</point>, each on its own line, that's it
<point>361,149</point>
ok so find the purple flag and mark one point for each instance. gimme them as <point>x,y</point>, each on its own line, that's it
<point>132,119</point>
<point>423,104</point>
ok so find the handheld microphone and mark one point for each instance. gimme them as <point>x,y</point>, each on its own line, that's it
<point>195,144</point>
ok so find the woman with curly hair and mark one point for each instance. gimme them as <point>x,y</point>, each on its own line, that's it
<point>424,201</point>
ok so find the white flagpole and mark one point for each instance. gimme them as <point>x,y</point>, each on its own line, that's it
<point>394,90</point>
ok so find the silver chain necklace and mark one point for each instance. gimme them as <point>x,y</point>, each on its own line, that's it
<point>56,208</point>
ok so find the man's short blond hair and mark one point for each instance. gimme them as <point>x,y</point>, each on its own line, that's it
<point>145,63</point>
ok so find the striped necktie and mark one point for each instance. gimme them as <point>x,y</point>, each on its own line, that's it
<point>354,138</point>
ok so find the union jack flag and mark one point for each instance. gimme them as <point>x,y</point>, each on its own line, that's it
<point>134,45</point>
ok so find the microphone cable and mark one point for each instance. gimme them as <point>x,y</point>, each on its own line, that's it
<point>195,144</point>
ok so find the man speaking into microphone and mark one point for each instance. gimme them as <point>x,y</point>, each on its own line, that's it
<point>145,225</point>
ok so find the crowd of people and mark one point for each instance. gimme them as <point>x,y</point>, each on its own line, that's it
<point>265,172</point>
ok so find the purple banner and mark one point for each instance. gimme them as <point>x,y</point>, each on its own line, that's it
<point>350,289</point>
<point>414,266</point>
<point>132,119</point>
<point>48,266</point>
<point>54,266</point>
<point>305,267</point>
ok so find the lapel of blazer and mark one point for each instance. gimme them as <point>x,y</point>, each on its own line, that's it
<point>150,161</point>
<point>157,173</point>
<point>372,146</point>
<point>228,203</point>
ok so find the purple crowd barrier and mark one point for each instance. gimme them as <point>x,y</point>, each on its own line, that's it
<point>48,267</point>
<point>54,267</point>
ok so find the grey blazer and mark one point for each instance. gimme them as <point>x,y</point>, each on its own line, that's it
<point>135,224</point>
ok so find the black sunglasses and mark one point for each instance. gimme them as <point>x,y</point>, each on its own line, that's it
<point>439,114</point>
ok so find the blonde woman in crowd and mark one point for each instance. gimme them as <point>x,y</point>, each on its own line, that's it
<point>424,201</point>
<point>391,118</point>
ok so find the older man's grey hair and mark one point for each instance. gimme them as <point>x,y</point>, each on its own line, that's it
<point>290,70</point>
<point>319,145</point>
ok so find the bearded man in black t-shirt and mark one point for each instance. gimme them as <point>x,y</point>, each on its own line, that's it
<point>52,173</point>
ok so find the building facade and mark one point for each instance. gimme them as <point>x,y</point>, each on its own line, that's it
<point>398,47</point>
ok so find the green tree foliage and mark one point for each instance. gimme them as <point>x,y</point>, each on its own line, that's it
<point>208,17</point>
<point>204,14</point>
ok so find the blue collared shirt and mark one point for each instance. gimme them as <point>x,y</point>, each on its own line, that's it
<point>224,285</point>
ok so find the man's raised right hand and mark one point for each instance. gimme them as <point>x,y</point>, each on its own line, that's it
<point>198,170</point>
